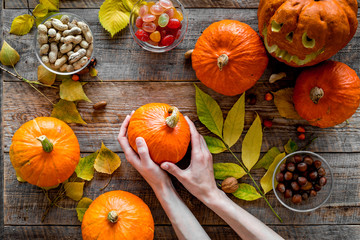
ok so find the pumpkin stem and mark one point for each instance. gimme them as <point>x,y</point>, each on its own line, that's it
<point>222,60</point>
<point>113,217</point>
<point>316,94</point>
<point>173,119</point>
<point>46,144</point>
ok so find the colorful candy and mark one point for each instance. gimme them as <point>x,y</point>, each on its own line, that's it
<point>149,18</point>
<point>157,9</point>
<point>144,9</point>
<point>173,23</point>
<point>155,36</point>
<point>149,27</point>
<point>142,35</point>
<point>165,3</point>
<point>167,40</point>
<point>163,20</point>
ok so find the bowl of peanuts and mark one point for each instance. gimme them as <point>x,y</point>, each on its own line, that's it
<point>64,43</point>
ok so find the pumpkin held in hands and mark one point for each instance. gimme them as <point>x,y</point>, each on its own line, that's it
<point>118,215</point>
<point>164,129</point>
<point>327,94</point>
<point>305,32</point>
<point>44,151</point>
<point>229,57</point>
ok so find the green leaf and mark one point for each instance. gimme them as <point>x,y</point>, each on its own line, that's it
<point>267,159</point>
<point>20,179</point>
<point>113,16</point>
<point>106,161</point>
<point>291,146</point>
<point>72,90</point>
<point>8,55</point>
<point>215,145</point>
<point>39,20</point>
<point>225,170</point>
<point>85,168</point>
<point>283,100</point>
<point>74,190</point>
<point>209,112</point>
<point>246,192</point>
<point>234,122</point>
<point>22,24</point>
<point>67,111</point>
<point>266,180</point>
<point>40,10</point>
<point>251,145</point>
<point>93,72</point>
<point>82,206</point>
<point>51,5</point>
<point>45,76</point>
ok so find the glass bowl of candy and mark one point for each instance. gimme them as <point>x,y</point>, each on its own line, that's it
<point>159,25</point>
<point>302,181</point>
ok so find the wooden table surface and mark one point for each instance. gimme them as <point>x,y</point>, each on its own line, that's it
<point>133,77</point>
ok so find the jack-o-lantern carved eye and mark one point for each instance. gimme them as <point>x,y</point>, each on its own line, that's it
<point>276,27</point>
<point>290,36</point>
<point>308,42</point>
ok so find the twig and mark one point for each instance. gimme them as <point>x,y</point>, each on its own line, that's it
<point>28,7</point>
<point>107,184</point>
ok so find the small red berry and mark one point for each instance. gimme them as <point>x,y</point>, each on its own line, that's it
<point>301,136</point>
<point>300,129</point>
<point>268,96</point>
<point>75,77</point>
<point>268,123</point>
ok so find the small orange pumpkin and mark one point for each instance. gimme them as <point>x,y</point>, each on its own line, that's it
<point>118,215</point>
<point>44,151</point>
<point>305,32</point>
<point>327,94</point>
<point>165,130</point>
<point>229,57</point>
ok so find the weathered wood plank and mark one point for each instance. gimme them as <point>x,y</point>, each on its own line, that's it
<point>123,97</point>
<point>24,203</point>
<point>1,139</point>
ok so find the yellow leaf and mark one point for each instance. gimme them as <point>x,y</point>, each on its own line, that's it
<point>214,145</point>
<point>113,16</point>
<point>234,122</point>
<point>67,111</point>
<point>72,90</point>
<point>246,192</point>
<point>266,180</point>
<point>52,187</point>
<point>283,100</point>
<point>22,24</point>
<point>45,76</point>
<point>129,4</point>
<point>85,168</point>
<point>40,10</point>
<point>82,206</point>
<point>290,146</point>
<point>267,159</point>
<point>251,145</point>
<point>225,170</point>
<point>106,161</point>
<point>51,5</point>
<point>74,190</point>
<point>39,20</point>
<point>93,72</point>
<point>8,55</point>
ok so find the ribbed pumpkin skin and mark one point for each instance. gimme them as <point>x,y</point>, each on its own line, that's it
<point>135,221</point>
<point>246,52</point>
<point>341,98</point>
<point>38,167</point>
<point>332,23</point>
<point>165,144</point>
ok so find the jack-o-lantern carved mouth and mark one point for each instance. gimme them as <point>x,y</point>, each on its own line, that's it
<point>285,55</point>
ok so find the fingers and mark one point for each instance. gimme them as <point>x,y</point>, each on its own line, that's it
<point>195,137</point>
<point>172,169</point>
<point>124,126</point>
<point>143,151</point>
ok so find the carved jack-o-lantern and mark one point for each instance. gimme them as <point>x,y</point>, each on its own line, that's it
<point>305,32</point>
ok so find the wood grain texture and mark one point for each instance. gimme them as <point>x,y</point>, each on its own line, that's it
<point>1,139</point>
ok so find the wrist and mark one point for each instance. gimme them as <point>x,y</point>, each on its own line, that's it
<point>163,189</point>
<point>213,197</point>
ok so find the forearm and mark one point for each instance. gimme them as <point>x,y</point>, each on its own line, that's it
<point>244,224</point>
<point>184,222</point>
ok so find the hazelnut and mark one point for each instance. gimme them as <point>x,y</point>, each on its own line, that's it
<point>100,105</point>
<point>230,185</point>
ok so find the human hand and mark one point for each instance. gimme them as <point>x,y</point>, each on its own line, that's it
<point>142,162</point>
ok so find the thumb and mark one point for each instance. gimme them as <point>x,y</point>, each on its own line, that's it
<point>172,169</point>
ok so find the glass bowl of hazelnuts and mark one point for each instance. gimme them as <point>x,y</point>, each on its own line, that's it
<point>302,181</point>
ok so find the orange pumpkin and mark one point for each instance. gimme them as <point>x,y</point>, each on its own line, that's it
<point>165,130</point>
<point>327,94</point>
<point>229,57</point>
<point>44,151</point>
<point>117,215</point>
<point>305,32</point>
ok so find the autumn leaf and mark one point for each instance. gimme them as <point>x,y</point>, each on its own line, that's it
<point>52,187</point>
<point>67,111</point>
<point>106,161</point>
<point>283,100</point>
<point>82,206</point>
<point>290,146</point>
<point>267,159</point>
<point>39,20</point>
<point>209,112</point>
<point>266,180</point>
<point>246,192</point>
<point>129,4</point>
<point>8,55</point>
<point>85,167</point>
<point>93,72</point>
<point>214,145</point>
<point>45,76</point>
<point>251,145</point>
<point>225,170</point>
<point>20,179</point>
<point>72,90</point>
<point>22,24</point>
<point>74,190</point>
<point>113,16</point>
<point>40,10</point>
<point>234,122</point>
<point>51,5</point>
